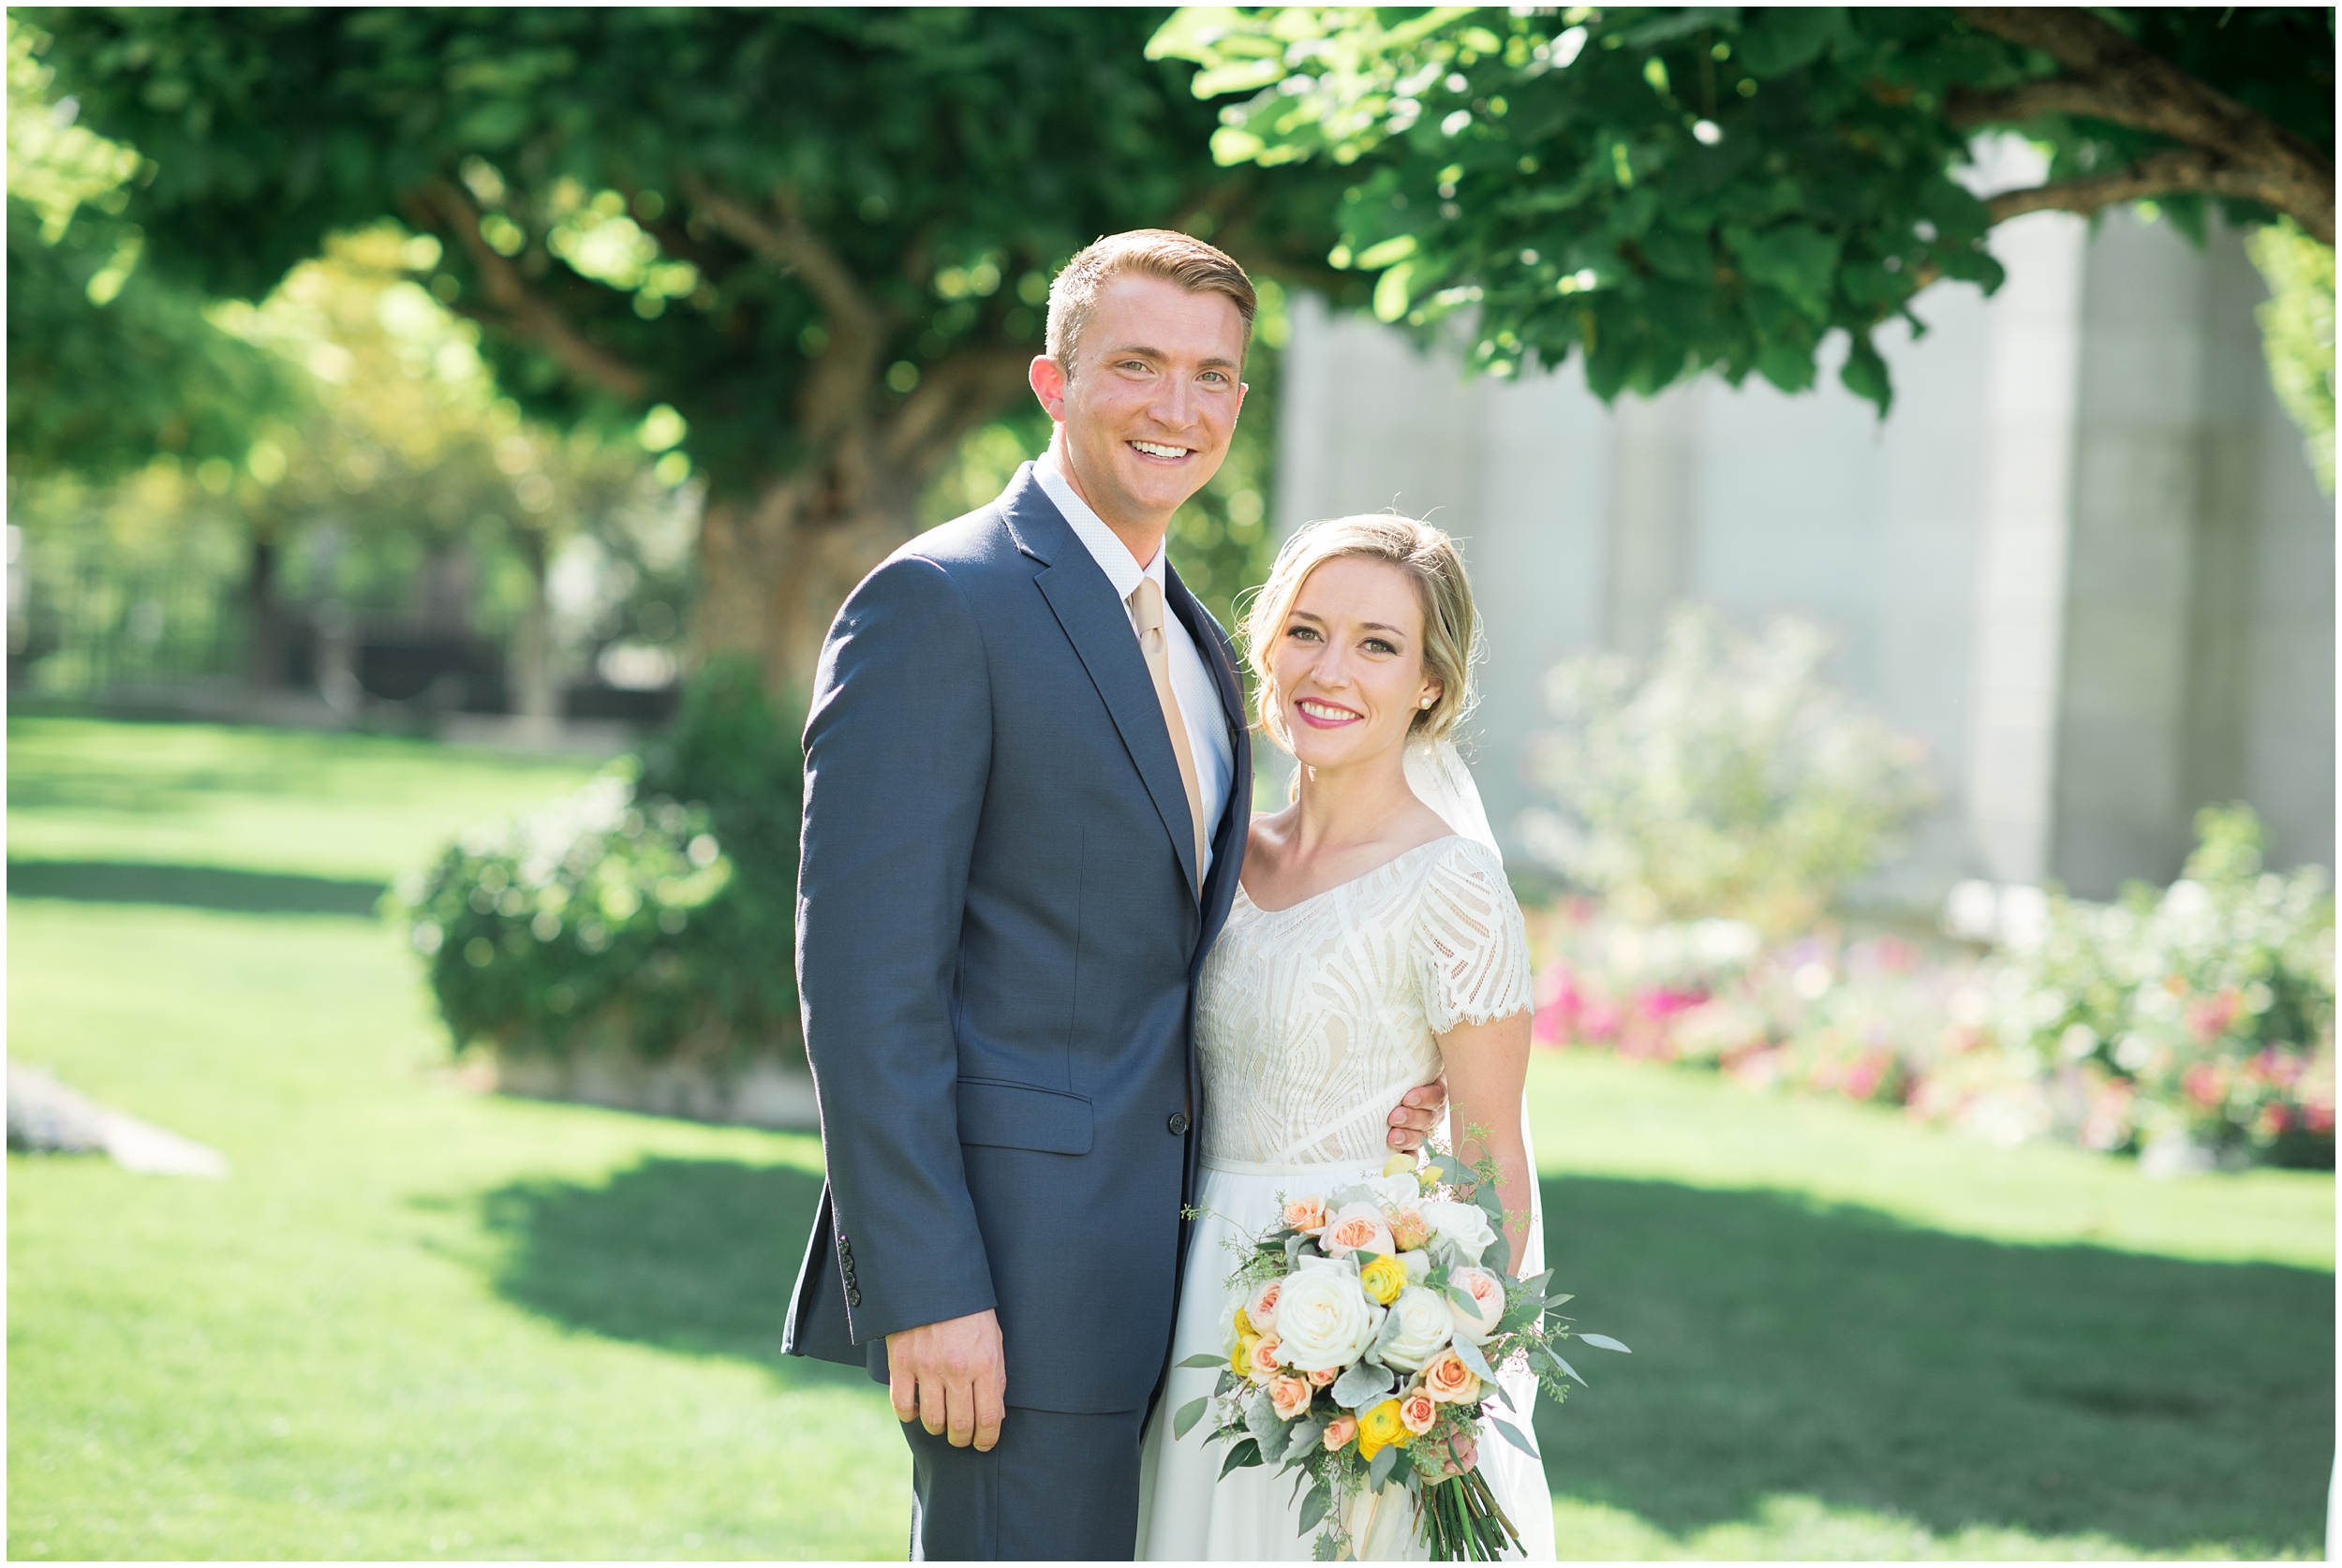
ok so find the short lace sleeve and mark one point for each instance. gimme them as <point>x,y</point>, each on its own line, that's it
<point>1475,949</point>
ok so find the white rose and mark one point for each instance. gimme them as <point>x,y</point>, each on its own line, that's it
<point>1478,1322</point>
<point>1398,1191</point>
<point>1362,1227</point>
<point>1323,1319</point>
<point>1465,1224</point>
<point>1425,1326</point>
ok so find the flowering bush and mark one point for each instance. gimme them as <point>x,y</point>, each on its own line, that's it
<point>652,907</point>
<point>2191,1026</point>
<point>1726,779</point>
<point>2202,1015</point>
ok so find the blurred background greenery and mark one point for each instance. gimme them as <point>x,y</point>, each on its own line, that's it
<point>436,441</point>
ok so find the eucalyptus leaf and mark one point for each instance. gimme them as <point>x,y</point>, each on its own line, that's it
<point>1225,1382</point>
<point>1190,1413</point>
<point>1362,1385</point>
<point>1314,1506</point>
<point>1603,1342</point>
<point>1205,1361</point>
<point>1260,1419</point>
<point>1307,1434</point>
<point>1513,1437</point>
<point>1243,1455</point>
<point>1402,1467</point>
<point>1379,1470</point>
<point>1555,1356</point>
<point>1469,1353</point>
<point>1535,1285</point>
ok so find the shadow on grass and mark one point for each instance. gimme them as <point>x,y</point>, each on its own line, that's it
<point>696,1256</point>
<point>1781,1347</point>
<point>199,887</point>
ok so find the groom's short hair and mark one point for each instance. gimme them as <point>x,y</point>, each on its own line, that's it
<point>1174,258</point>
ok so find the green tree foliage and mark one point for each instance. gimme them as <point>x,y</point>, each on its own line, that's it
<point>108,364</point>
<point>822,237</point>
<point>1672,190</point>
<point>2297,332</point>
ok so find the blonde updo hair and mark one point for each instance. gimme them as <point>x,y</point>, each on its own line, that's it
<point>1451,627</point>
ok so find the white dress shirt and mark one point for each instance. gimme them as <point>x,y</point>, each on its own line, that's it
<point>1191,677</point>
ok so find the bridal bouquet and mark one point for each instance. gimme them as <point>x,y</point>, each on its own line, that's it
<point>1367,1332</point>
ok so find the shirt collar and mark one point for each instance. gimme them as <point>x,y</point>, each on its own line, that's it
<point>1114,557</point>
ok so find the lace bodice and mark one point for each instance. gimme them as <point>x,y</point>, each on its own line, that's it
<point>1312,1021</point>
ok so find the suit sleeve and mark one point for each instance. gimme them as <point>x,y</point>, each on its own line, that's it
<point>897,748</point>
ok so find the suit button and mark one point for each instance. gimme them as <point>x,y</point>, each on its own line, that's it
<point>854,1297</point>
<point>1177,1124</point>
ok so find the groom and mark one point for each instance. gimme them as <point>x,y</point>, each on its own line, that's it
<point>1028,785</point>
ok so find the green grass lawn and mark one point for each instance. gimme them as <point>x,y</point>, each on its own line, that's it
<point>417,1321</point>
<point>296,801</point>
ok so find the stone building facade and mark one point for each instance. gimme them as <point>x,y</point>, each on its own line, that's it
<point>2085,559</point>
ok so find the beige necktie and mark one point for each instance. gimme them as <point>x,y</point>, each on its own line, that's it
<point>1146,602</point>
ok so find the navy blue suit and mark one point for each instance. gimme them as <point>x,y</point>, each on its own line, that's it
<point>997,941</point>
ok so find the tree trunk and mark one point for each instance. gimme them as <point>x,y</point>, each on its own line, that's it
<point>264,624</point>
<point>536,696</point>
<point>775,567</point>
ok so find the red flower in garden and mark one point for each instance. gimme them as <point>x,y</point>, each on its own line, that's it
<point>2203,1085</point>
<point>2208,1017</point>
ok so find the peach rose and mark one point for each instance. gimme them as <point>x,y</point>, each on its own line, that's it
<point>1261,1307</point>
<point>1289,1397</point>
<point>1417,1411</point>
<point>1410,1230</point>
<point>1478,1322</point>
<point>1447,1380</point>
<point>1339,1433</point>
<point>1324,1377</point>
<point>1261,1365</point>
<point>1305,1215</point>
<point>1359,1228</point>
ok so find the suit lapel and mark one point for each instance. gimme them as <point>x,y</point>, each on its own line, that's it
<point>1236,819</point>
<point>1099,626</point>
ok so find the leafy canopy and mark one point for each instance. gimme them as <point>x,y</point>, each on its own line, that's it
<point>108,364</point>
<point>696,206</point>
<point>1672,190</point>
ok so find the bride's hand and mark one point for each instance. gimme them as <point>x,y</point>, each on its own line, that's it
<point>1418,1115</point>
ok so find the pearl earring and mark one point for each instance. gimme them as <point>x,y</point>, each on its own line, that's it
<point>1429,701</point>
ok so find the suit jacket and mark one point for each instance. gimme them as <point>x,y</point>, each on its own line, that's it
<point>998,943</point>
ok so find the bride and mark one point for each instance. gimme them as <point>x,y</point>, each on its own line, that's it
<point>1373,942</point>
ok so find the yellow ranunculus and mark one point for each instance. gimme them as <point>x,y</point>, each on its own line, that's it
<point>1243,1323</point>
<point>1240,1358</point>
<point>1398,1164</point>
<point>1382,1278</point>
<point>1380,1428</point>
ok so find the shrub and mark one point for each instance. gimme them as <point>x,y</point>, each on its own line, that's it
<point>2200,1015</point>
<point>654,907</point>
<point>1724,780</point>
<point>2193,1026</point>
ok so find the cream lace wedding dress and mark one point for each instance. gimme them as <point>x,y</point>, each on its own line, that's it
<point>1312,1022</point>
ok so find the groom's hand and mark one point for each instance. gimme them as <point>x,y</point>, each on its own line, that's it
<point>1418,1115</point>
<point>950,1377</point>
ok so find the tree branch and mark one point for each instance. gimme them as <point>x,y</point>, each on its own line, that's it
<point>444,207</point>
<point>2173,171</point>
<point>2111,78</point>
<point>955,395</point>
<point>835,392</point>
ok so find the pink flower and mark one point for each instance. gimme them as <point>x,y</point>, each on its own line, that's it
<point>1359,1228</point>
<point>1263,1359</point>
<point>2208,1017</point>
<point>1289,1397</point>
<point>1324,1377</point>
<point>1261,1306</point>
<point>1339,1434</point>
<point>1305,1215</point>
<point>1478,1322</point>
<point>1410,1230</point>
<point>1448,1380</point>
<point>1417,1411</point>
<point>2203,1085</point>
